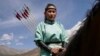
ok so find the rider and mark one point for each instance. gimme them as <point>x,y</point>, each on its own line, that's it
<point>50,35</point>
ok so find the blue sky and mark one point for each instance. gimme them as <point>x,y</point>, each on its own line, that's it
<point>14,34</point>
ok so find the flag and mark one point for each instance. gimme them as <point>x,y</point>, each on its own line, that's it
<point>26,11</point>
<point>24,15</point>
<point>18,16</point>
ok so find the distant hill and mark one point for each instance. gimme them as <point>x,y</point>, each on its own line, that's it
<point>6,51</point>
<point>34,52</point>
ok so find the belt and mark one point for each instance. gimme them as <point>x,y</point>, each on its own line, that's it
<point>47,43</point>
<point>55,45</point>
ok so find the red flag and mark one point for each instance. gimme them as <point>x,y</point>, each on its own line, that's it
<point>24,15</point>
<point>25,10</point>
<point>18,16</point>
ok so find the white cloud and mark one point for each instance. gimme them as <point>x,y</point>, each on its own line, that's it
<point>77,26</point>
<point>21,37</point>
<point>7,37</point>
<point>74,29</point>
<point>8,43</point>
<point>9,23</point>
<point>18,41</point>
<point>68,32</point>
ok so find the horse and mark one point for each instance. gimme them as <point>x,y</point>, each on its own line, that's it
<point>86,42</point>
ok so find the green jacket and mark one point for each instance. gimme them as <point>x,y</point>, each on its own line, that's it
<point>50,33</point>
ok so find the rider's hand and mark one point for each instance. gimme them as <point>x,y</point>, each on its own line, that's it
<point>55,50</point>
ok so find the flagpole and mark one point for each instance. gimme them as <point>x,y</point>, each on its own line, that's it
<point>28,19</point>
<point>21,19</point>
<point>27,10</point>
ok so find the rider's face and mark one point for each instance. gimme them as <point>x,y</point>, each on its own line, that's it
<point>51,13</point>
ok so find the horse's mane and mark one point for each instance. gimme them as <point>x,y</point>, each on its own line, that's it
<point>84,41</point>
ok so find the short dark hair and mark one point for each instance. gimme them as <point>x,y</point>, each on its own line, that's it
<point>48,5</point>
